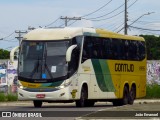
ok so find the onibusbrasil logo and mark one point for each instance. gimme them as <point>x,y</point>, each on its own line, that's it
<point>21,114</point>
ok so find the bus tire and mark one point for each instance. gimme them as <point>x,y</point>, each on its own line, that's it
<point>90,103</point>
<point>37,103</point>
<point>82,102</point>
<point>116,102</point>
<point>132,95</point>
<point>124,100</point>
<point>125,96</point>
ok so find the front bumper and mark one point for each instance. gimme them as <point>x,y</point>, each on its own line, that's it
<point>58,95</point>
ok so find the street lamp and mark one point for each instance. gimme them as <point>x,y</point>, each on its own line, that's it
<point>136,20</point>
<point>141,17</point>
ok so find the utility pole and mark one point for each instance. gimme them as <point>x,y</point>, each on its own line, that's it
<point>125,19</point>
<point>70,18</point>
<point>20,32</point>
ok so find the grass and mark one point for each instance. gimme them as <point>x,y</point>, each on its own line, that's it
<point>11,97</point>
<point>153,91</point>
<point>2,97</point>
<point>7,97</point>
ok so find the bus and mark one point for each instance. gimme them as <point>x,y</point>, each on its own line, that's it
<point>81,65</point>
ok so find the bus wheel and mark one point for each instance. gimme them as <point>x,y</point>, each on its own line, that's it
<point>82,102</point>
<point>37,104</point>
<point>90,103</point>
<point>124,100</point>
<point>125,96</point>
<point>132,95</point>
<point>116,102</point>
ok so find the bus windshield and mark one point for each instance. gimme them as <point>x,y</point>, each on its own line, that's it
<point>43,60</point>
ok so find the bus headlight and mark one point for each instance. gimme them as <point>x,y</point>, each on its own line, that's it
<point>65,84</point>
<point>61,87</point>
<point>20,85</point>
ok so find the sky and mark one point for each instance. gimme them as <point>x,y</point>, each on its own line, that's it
<point>20,14</point>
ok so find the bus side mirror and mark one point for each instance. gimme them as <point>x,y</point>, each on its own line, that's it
<point>69,52</point>
<point>12,53</point>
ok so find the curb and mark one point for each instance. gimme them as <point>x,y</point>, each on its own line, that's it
<point>141,101</point>
<point>16,103</point>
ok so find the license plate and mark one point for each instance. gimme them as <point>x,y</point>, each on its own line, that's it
<point>40,95</point>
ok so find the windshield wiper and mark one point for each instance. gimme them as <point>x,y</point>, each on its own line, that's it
<point>35,68</point>
<point>44,65</point>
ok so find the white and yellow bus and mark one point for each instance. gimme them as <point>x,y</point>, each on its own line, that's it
<point>81,65</point>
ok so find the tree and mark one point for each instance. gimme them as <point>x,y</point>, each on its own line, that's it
<point>4,54</point>
<point>152,47</point>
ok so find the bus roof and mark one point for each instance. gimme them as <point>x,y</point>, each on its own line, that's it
<point>70,32</point>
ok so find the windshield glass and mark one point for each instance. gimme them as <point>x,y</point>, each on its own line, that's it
<point>43,60</point>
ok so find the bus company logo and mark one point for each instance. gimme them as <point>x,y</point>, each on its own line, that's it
<point>120,67</point>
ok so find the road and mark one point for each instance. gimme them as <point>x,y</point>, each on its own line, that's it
<point>63,111</point>
<point>59,111</point>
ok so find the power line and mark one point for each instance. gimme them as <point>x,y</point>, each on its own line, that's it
<point>72,23</point>
<point>81,16</point>
<point>91,12</point>
<point>143,28</point>
<point>7,36</point>
<point>61,25</point>
<point>53,22</point>
<point>145,22</point>
<point>113,15</point>
<point>118,27</point>
<point>11,40</point>
<point>116,20</point>
<point>141,22</point>
<point>112,27</point>
<point>144,31</point>
<point>109,12</point>
<point>97,9</point>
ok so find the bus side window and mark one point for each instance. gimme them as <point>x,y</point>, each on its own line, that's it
<point>108,48</point>
<point>126,47</point>
<point>86,50</point>
<point>96,49</point>
<point>136,50</point>
<point>117,49</point>
<point>123,52</point>
<point>141,47</point>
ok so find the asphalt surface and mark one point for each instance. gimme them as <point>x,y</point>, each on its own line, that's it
<point>30,103</point>
<point>68,111</point>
